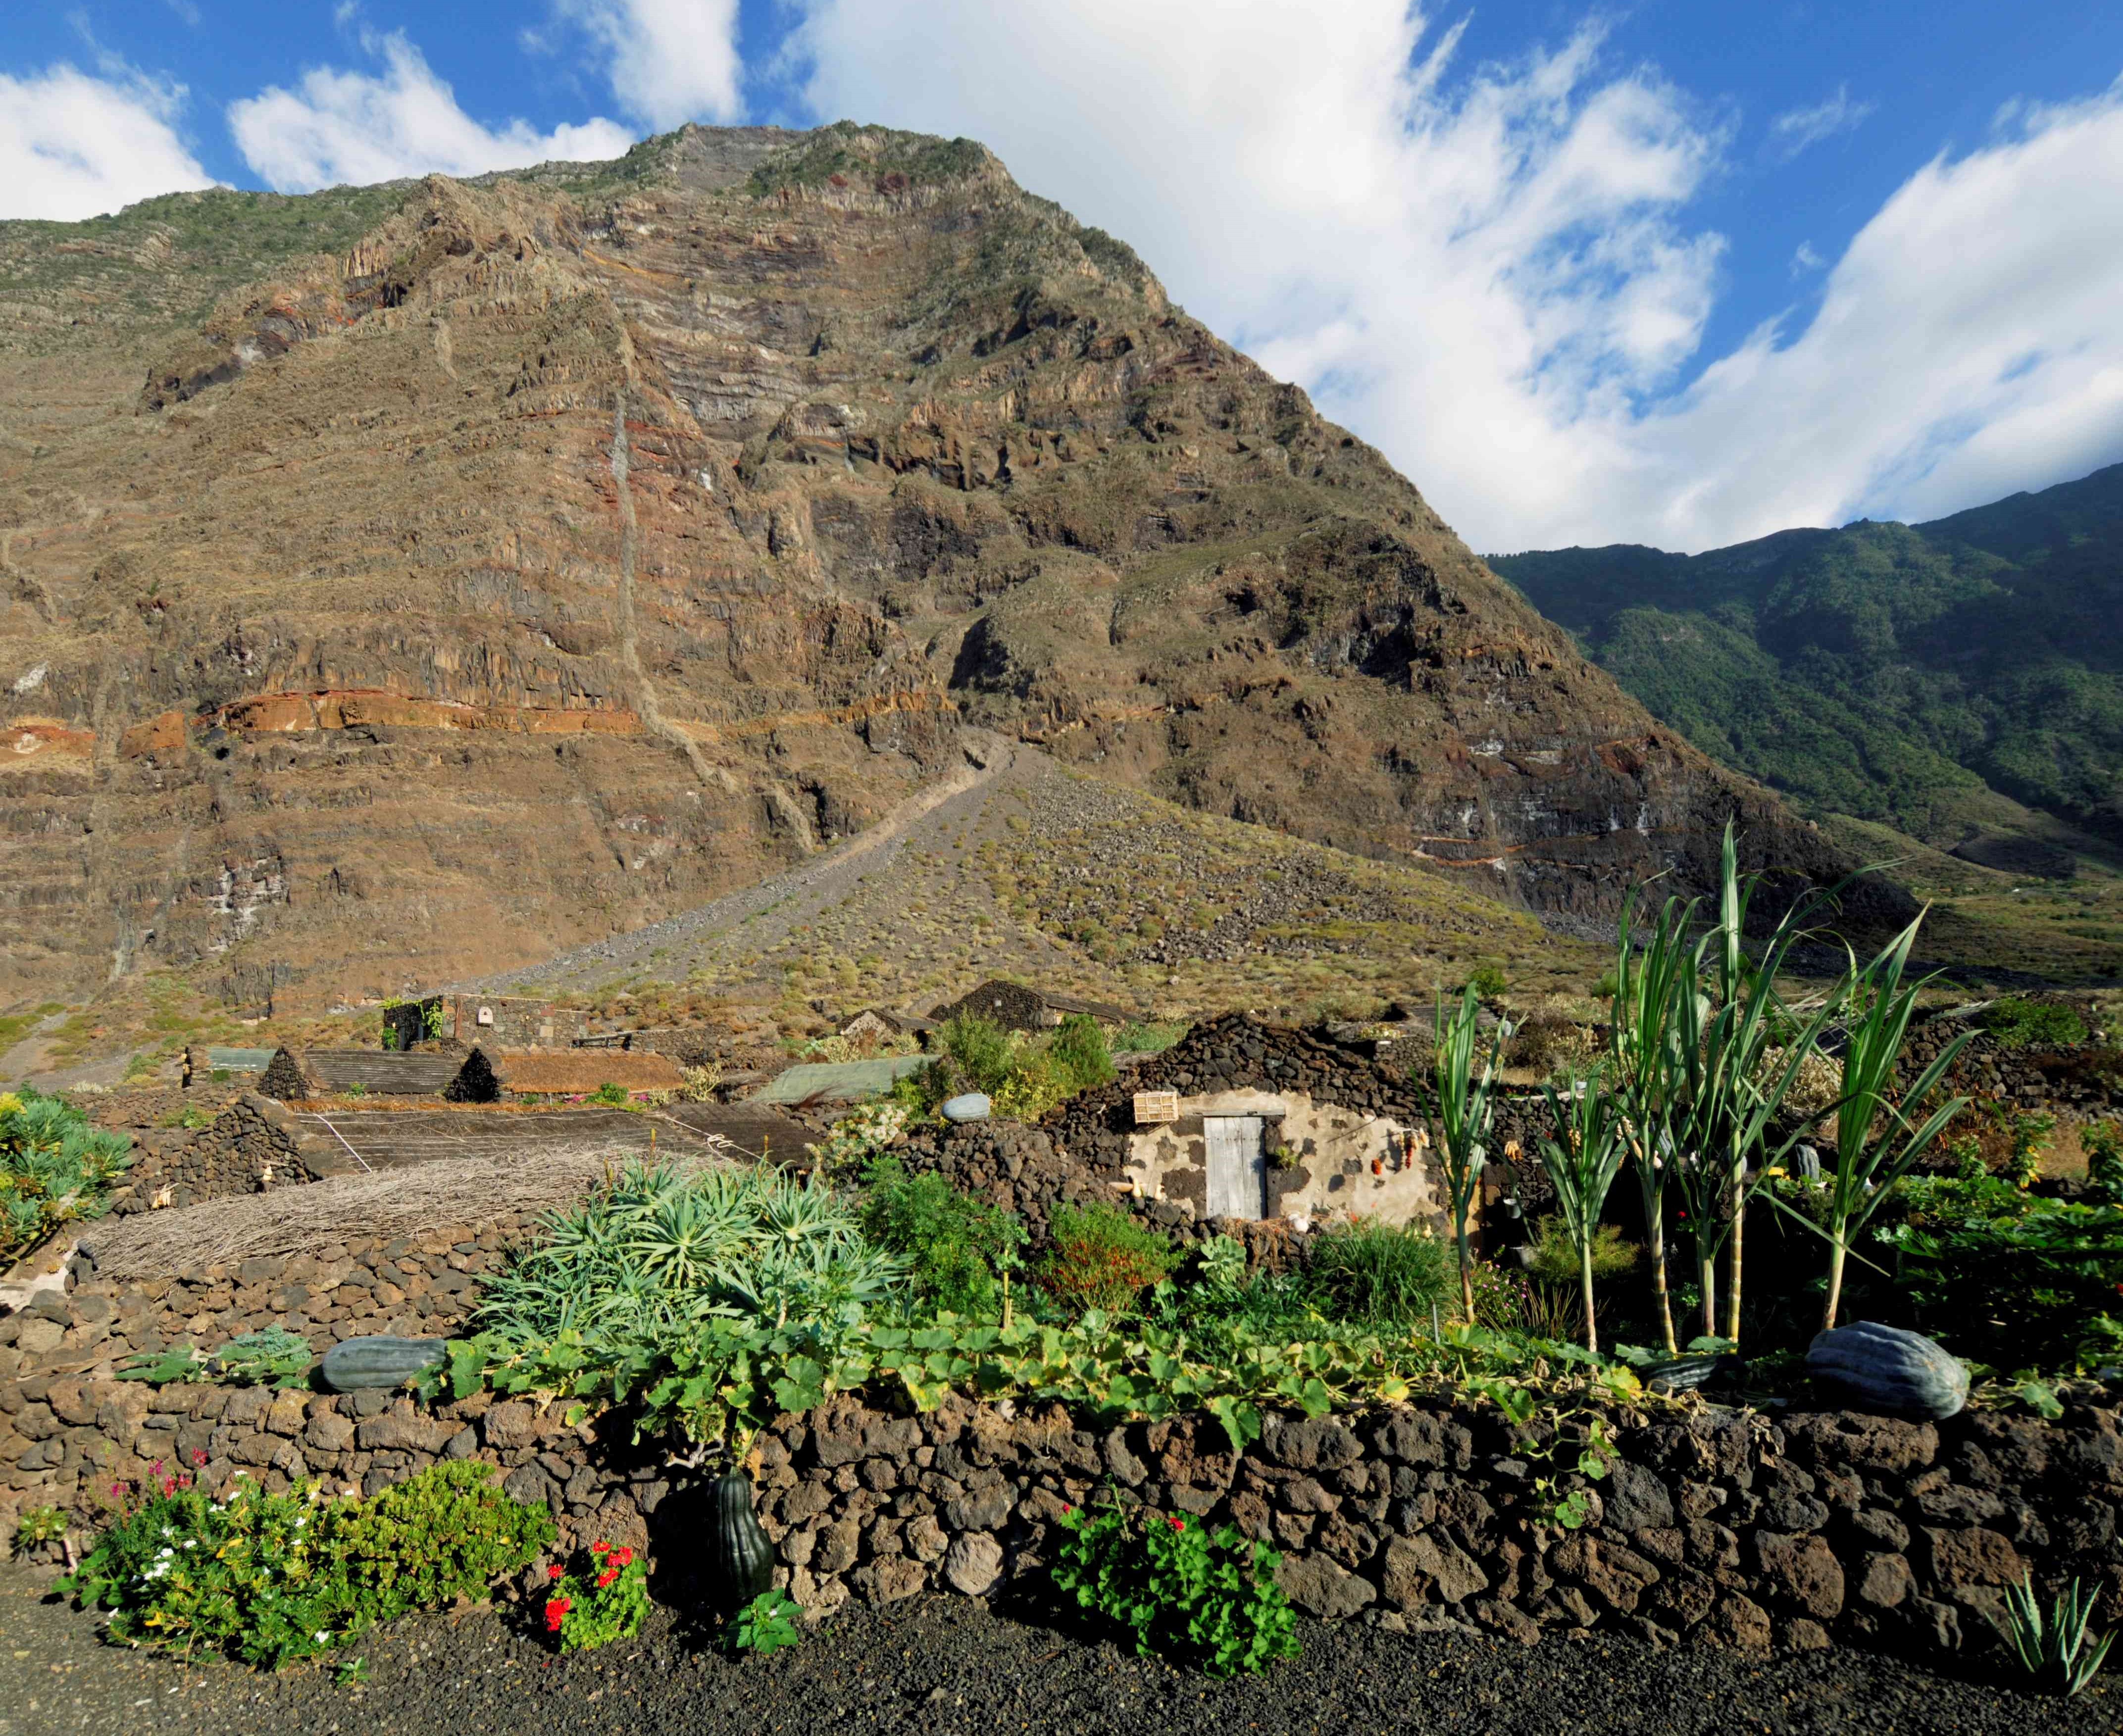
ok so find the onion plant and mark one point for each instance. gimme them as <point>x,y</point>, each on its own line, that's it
<point>1466,1114</point>
<point>1582,1160</point>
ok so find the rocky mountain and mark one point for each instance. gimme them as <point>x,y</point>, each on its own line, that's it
<point>1960,681</point>
<point>406,582</point>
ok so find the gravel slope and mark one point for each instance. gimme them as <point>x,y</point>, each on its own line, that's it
<point>945,1667</point>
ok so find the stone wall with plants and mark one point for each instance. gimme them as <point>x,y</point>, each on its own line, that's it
<point>1703,1525</point>
<point>2049,1057</point>
<point>252,1137</point>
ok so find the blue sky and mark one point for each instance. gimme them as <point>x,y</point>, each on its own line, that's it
<point>1566,265</point>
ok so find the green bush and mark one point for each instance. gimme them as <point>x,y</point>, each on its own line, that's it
<point>1183,1593</point>
<point>612,1093</point>
<point>1555,1260</point>
<point>273,1578</point>
<point>2034,1024</point>
<point>1142,1038</point>
<point>1102,1258</point>
<point>1079,1053</point>
<point>604,1599</point>
<point>981,1050</point>
<point>1381,1274</point>
<point>2104,1142</point>
<point>952,1244</point>
<point>54,1168</point>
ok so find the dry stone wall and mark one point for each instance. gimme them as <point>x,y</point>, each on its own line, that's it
<point>252,1139</point>
<point>1716,1527</point>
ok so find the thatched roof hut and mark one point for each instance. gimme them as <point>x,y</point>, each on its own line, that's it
<point>294,1075</point>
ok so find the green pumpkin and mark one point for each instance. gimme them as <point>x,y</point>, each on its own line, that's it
<point>1887,1371</point>
<point>740,1559</point>
<point>380,1362</point>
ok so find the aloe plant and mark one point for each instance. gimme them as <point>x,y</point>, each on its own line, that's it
<point>2055,1648</point>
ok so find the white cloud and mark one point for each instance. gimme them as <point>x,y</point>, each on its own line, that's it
<point>1805,261</point>
<point>355,128</point>
<point>1795,129</point>
<point>73,146</point>
<point>1491,274</point>
<point>668,61</point>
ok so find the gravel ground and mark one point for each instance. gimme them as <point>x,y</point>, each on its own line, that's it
<point>945,1667</point>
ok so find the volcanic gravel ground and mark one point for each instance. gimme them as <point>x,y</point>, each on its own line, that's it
<point>945,1667</point>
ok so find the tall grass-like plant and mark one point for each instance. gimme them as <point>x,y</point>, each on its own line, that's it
<point>1466,1114</point>
<point>1379,1274</point>
<point>2055,1648</point>
<point>1583,1160</point>
<point>1868,1163</point>
<point>1711,1063</point>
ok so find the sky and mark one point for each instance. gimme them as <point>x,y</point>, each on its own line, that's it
<point>1666,272</point>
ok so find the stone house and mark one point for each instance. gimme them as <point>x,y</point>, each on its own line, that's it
<point>294,1076</point>
<point>1246,1121</point>
<point>498,1021</point>
<point>1018,1007</point>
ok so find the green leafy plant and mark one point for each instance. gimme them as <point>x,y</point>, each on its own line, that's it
<point>37,1526</point>
<point>2033,1024</point>
<point>861,1135</point>
<point>1101,1257</point>
<point>1079,1053</point>
<point>1583,1160</point>
<point>1465,1102</point>
<point>2055,1648</point>
<point>611,1094</point>
<point>1181,1592</point>
<point>2031,1130</point>
<point>272,1578</point>
<point>1379,1273</point>
<point>605,1599</point>
<point>273,1356</point>
<point>2102,1142</point>
<point>54,1168</point>
<point>953,1245</point>
<point>766,1625</point>
<point>1553,1260</point>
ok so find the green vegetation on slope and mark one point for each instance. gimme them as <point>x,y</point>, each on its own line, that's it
<point>1898,673</point>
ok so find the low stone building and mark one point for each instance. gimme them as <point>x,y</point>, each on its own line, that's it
<point>503,1076</point>
<point>1019,1007</point>
<point>298,1075</point>
<point>876,1024</point>
<point>498,1020</point>
<point>1243,1121</point>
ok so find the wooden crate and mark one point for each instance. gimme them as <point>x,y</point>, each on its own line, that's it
<point>1156,1108</point>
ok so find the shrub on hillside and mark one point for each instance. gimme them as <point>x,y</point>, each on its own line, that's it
<point>2015,1024</point>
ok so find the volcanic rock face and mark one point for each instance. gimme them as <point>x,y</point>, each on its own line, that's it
<point>571,548</point>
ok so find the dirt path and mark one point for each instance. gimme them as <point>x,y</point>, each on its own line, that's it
<point>768,910</point>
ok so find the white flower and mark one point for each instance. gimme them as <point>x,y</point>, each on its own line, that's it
<point>322,1636</point>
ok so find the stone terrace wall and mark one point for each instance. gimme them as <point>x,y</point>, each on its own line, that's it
<point>1716,1527</point>
<point>2081,1081</point>
<point>228,1156</point>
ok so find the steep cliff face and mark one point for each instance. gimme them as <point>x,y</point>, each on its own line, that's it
<point>568,549</point>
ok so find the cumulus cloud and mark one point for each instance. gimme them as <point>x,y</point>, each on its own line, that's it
<point>668,61</point>
<point>1796,129</point>
<point>354,127</point>
<point>1490,272</point>
<point>73,145</point>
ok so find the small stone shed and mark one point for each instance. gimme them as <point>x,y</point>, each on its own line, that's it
<point>295,1076</point>
<point>880,1024</point>
<point>504,1076</point>
<point>498,1021</point>
<point>1246,1120</point>
<point>1018,1007</point>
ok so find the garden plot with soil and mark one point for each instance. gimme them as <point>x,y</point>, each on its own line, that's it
<point>767,1402</point>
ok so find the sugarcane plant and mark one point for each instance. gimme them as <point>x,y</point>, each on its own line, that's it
<point>1710,1051</point>
<point>1644,990</point>
<point>1466,1114</point>
<point>1876,1142</point>
<point>1583,1160</point>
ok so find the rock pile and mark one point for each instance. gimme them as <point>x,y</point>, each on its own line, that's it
<point>252,1138</point>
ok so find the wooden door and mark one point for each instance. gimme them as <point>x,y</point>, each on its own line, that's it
<point>1238,1169</point>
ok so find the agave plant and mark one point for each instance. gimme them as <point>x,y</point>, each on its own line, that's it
<point>55,1167</point>
<point>2054,1649</point>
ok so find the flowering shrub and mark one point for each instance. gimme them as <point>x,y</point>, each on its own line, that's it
<point>1102,1258</point>
<point>274,1578</point>
<point>604,1601</point>
<point>861,1133</point>
<point>1185,1593</point>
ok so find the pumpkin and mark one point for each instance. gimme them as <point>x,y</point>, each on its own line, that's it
<point>1887,1371</point>
<point>380,1362</point>
<point>1689,1374</point>
<point>740,1559</point>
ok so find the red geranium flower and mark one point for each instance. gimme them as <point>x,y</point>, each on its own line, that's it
<point>1177,1523</point>
<point>556,1610</point>
<point>555,1571</point>
<point>623,1557</point>
<point>606,1577</point>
